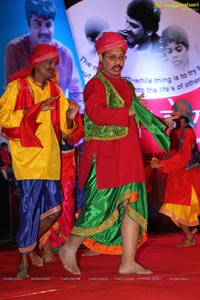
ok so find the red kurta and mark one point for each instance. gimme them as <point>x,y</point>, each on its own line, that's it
<point>111,171</point>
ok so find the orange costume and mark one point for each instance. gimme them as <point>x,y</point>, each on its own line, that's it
<point>182,195</point>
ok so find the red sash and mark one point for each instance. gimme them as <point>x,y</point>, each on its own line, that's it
<point>28,126</point>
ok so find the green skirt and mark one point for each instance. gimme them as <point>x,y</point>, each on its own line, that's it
<point>100,220</point>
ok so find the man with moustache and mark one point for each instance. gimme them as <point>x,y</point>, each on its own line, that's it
<point>33,114</point>
<point>142,24</point>
<point>40,15</point>
<point>114,217</point>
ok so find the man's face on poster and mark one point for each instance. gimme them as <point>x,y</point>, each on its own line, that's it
<point>41,30</point>
<point>135,33</point>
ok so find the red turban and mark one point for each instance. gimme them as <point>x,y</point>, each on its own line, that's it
<point>110,40</point>
<point>39,54</point>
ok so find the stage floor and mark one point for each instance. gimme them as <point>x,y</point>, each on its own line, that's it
<point>176,275</point>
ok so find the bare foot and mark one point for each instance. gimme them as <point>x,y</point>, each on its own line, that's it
<point>22,271</point>
<point>36,259</point>
<point>133,268</point>
<point>49,258</point>
<point>194,231</point>
<point>187,243</point>
<point>48,254</point>
<point>90,252</point>
<point>68,259</point>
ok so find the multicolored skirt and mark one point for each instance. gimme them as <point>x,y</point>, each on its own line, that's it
<point>183,214</point>
<point>100,220</point>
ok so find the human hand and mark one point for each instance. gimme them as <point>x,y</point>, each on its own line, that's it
<point>131,111</point>
<point>72,110</point>
<point>139,99</point>
<point>169,121</point>
<point>48,104</point>
<point>155,163</point>
<point>68,137</point>
<point>142,101</point>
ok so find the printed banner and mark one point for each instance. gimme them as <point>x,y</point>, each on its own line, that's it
<point>15,24</point>
<point>162,61</point>
<point>29,23</point>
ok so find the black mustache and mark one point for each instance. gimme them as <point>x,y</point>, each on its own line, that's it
<point>43,35</point>
<point>50,69</point>
<point>118,66</point>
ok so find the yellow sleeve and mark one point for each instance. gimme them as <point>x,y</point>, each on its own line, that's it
<point>64,105</point>
<point>8,117</point>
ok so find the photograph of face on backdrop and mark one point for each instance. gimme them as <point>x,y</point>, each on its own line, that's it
<point>39,22</point>
<point>163,45</point>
